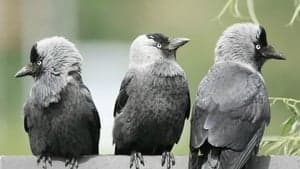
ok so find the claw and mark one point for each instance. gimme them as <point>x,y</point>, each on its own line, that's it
<point>173,159</point>
<point>44,159</point>
<point>39,159</point>
<point>67,162</point>
<point>131,160</point>
<point>136,158</point>
<point>72,162</point>
<point>141,158</point>
<point>169,158</point>
<point>163,159</point>
<point>49,161</point>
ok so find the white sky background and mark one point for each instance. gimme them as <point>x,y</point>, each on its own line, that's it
<point>104,66</point>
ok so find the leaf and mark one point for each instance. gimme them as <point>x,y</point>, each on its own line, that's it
<point>274,147</point>
<point>236,9</point>
<point>294,127</point>
<point>295,14</point>
<point>285,148</point>
<point>271,138</point>
<point>224,9</point>
<point>250,5</point>
<point>287,124</point>
<point>288,143</point>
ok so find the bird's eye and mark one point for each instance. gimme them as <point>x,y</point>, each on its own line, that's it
<point>39,62</point>
<point>257,47</point>
<point>158,45</point>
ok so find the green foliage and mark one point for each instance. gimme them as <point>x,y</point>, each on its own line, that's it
<point>296,12</point>
<point>233,6</point>
<point>288,143</point>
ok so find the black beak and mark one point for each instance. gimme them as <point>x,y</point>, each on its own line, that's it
<point>175,43</point>
<point>270,53</point>
<point>25,71</point>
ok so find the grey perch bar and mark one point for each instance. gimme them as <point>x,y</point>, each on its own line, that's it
<point>151,162</point>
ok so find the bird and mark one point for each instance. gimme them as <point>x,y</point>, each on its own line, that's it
<point>153,100</point>
<point>60,116</point>
<point>231,108</point>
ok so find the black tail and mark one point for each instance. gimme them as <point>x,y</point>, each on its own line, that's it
<point>209,158</point>
<point>121,151</point>
<point>193,159</point>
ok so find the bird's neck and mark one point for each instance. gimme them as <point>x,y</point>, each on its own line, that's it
<point>47,88</point>
<point>247,66</point>
<point>166,68</point>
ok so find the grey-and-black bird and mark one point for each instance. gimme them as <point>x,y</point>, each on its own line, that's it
<point>59,115</point>
<point>232,109</point>
<point>153,101</point>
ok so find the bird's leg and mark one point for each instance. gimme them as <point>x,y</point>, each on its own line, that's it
<point>136,158</point>
<point>169,158</point>
<point>44,159</point>
<point>72,162</point>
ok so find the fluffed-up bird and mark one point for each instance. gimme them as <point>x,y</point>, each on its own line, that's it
<point>153,100</point>
<point>60,116</point>
<point>232,109</point>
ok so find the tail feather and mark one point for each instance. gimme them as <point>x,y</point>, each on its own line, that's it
<point>216,158</point>
<point>208,160</point>
<point>239,159</point>
<point>212,161</point>
<point>193,159</point>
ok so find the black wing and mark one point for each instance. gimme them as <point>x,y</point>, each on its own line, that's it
<point>123,95</point>
<point>188,108</point>
<point>93,118</point>
<point>26,124</point>
<point>29,109</point>
<point>231,109</point>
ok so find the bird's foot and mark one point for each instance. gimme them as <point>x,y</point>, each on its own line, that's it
<point>44,159</point>
<point>169,158</point>
<point>71,163</point>
<point>136,158</point>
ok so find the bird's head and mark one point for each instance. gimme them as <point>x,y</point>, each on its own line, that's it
<point>55,56</point>
<point>245,43</point>
<point>148,48</point>
<point>53,62</point>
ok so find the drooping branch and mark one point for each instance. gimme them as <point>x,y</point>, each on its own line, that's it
<point>233,6</point>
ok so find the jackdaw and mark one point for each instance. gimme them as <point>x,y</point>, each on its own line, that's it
<point>153,101</point>
<point>60,116</point>
<point>232,109</point>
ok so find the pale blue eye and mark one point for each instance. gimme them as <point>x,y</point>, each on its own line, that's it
<point>257,47</point>
<point>39,62</point>
<point>158,45</point>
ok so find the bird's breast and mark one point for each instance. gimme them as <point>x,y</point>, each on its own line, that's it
<point>159,97</point>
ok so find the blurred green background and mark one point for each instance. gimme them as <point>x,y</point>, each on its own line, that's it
<point>112,22</point>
